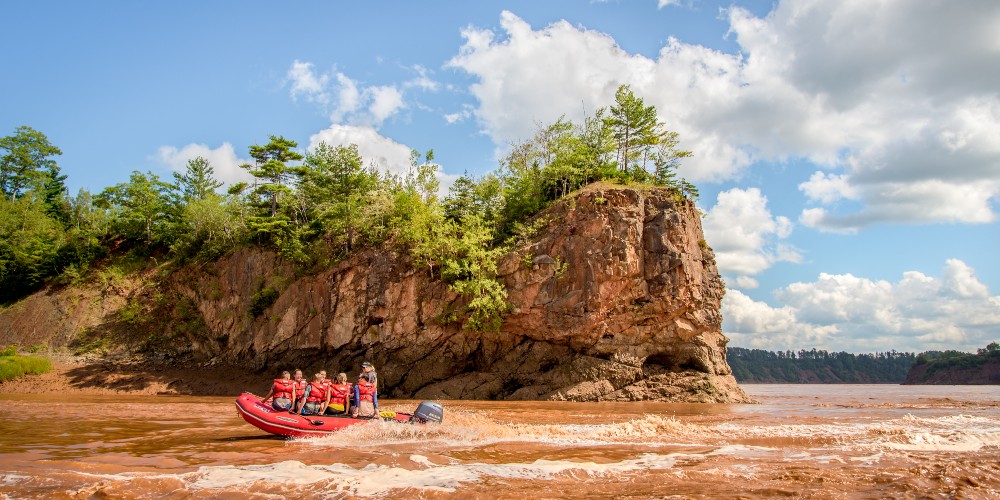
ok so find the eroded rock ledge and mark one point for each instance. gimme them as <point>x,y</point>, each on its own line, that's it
<point>617,298</point>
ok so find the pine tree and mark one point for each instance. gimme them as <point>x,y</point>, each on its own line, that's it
<point>197,181</point>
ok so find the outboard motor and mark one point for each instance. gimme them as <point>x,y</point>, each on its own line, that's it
<point>428,411</point>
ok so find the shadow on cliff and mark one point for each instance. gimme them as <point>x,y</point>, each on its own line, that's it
<point>162,379</point>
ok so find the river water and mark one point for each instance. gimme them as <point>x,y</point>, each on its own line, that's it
<point>806,441</point>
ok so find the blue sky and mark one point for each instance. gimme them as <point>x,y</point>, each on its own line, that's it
<point>848,154</point>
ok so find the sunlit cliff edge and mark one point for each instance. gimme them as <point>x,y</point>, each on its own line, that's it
<point>616,298</point>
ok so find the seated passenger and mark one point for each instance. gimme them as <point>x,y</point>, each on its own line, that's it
<point>317,397</point>
<point>364,395</point>
<point>300,389</point>
<point>340,396</point>
<point>282,392</point>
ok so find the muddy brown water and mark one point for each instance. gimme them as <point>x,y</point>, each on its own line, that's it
<point>804,441</point>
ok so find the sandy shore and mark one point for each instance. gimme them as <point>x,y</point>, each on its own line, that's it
<point>88,376</point>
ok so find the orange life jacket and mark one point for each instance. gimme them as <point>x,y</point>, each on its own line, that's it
<point>317,392</point>
<point>283,388</point>
<point>366,391</point>
<point>339,393</point>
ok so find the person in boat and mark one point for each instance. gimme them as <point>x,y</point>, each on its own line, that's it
<point>340,396</point>
<point>368,368</point>
<point>282,393</point>
<point>300,389</point>
<point>326,382</point>
<point>366,397</point>
<point>316,397</point>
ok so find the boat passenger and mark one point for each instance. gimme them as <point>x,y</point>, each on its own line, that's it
<point>300,389</point>
<point>340,396</point>
<point>366,398</point>
<point>282,393</point>
<point>368,368</point>
<point>326,382</point>
<point>316,397</point>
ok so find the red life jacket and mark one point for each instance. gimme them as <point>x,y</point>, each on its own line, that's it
<point>317,393</point>
<point>283,388</point>
<point>366,391</point>
<point>300,386</point>
<point>339,393</point>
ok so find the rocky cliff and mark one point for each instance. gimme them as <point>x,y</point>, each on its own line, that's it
<point>616,298</point>
<point>985,373</point>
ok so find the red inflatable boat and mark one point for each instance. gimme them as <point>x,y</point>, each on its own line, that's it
<point>282,423</point>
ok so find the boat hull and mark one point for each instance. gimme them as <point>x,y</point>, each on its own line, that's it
<point>281,423</point>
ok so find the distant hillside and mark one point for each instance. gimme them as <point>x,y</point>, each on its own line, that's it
<point>756,366</point>
<point>957,368</point>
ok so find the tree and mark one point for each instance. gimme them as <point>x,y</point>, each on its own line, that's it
<point>642,139</point>
<point>29,244</point>
<point>271,169</point>
<point>336,181</point>
<point>141,208</point>
<point>27,161</point>
<point>634,125</point>
<point>197,181</point>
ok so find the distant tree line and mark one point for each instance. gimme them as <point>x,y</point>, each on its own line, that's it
<point>818,366</point>
<point>319,207</point>
<point>950,360</point>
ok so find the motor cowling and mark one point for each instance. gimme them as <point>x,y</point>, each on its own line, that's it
<point>428,411</point>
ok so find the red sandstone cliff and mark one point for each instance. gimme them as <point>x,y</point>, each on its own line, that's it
<point>616,298</point>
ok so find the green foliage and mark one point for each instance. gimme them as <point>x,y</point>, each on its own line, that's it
<point>141,209</point>
<point>818,366</point>
<point>272,172</point>
<point>198,181</point>
<point>131,313</point>
<point>26,162</point>
<point>13,366</point>
<point>10,350</point>
<point>336,187</point>
<point>30,244</point>
<point>263,299</point>
<point>210,227</point>
<point>957,360</point>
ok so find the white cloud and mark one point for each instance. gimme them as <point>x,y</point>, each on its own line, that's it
<point>385,102</point>
<point>745,236</point>
<point>348,98</point>
<point>893,100</point>
<point>345,100</point>
<point>663,3</point>
<point>305,82</point>
<point>422,80</point>
<point>845,312</point>
<point>223,160</point>
<point>460,116</point>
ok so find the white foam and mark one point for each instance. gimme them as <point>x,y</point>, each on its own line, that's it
<point>376,480</point>
<point>947,441</point>
<point>473,429</point>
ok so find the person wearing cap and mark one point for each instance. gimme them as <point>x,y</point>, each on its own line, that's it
<point>368,368</point>
<point>364,395</point>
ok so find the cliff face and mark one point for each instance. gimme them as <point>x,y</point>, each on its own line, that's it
<point>987,373</point>
<point>616,298</point>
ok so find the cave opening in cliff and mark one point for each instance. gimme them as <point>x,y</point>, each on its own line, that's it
<point>666,362</point>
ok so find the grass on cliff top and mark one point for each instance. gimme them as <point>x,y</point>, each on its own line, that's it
<point>13,365</point>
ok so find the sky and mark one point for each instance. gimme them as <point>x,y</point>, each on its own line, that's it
<point>847,153</point>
